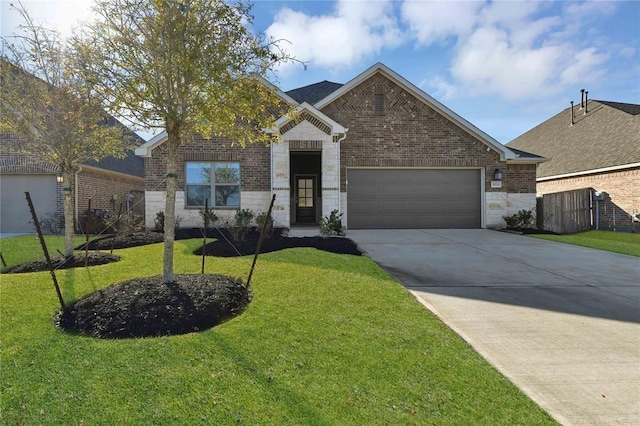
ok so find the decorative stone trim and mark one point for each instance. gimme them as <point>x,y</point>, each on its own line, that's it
<point>298,145</point>
<point>281,189</point>
<point>331,189</point>
<point>308,117</point>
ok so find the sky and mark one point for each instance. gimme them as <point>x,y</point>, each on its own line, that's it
<point>505,66</point>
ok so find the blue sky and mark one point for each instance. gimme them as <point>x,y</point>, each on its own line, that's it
<point>505,66</point>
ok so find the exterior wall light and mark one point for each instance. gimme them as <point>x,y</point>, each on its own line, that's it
<point>497,175</point>
<point>59,179</point>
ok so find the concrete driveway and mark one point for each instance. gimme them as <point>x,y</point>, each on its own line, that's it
<point>561,322</point>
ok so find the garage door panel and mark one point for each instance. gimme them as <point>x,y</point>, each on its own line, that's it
<point>413,198</point>
<point>14,211</point>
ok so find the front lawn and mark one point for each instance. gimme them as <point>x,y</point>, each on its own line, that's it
<point>617,242</point>
<point>16,250</point>
<point>328,339</point>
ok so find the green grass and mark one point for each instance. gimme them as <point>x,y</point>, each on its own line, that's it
<point>617,242</point>
<point>328,339</point>
<point>24,248</point>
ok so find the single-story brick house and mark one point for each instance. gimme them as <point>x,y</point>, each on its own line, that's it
<point>378,149</point>
<point>595,145</point>
<point>106,183</point>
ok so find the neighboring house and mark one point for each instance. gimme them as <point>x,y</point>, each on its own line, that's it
<point>378,149</point>
<point>594,145</point>
<point>106,183</point>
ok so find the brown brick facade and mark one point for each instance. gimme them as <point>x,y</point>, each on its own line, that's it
<point>105,190</point>
<point>621,190</point>
<point>254,162</point>
<point>408,133</point>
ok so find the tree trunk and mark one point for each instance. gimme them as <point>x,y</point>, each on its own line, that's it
<point>173,142</point>
<point>67,197</point>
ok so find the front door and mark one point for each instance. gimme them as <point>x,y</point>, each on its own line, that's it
<point>305,199</point>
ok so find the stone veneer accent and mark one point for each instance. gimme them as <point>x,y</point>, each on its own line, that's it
<point>499,204</point>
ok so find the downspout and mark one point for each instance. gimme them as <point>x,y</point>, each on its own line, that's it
<point>340,170</point>
<point>76,188</point>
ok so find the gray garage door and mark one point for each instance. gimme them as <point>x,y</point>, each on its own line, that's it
<point>409,198</point>
<point>14,211</point>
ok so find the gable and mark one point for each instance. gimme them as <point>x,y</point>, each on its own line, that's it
<point>407,89</point>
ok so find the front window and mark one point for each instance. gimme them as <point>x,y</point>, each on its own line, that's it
<point>218,182</point>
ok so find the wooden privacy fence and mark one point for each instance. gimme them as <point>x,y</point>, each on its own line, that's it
<point>565,212</point>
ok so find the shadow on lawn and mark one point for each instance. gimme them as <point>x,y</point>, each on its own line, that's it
<point>299,407</point>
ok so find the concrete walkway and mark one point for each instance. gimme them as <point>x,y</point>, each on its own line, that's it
<point>561,322</point>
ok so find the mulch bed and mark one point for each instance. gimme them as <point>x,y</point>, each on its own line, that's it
<point>146,307</point>
<point>59,262</point>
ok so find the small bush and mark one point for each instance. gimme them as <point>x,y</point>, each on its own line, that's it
<point>158,222</point>
<point>99,221</point>
<point>129,224</point>
<point>260,220</point>
<point>241,224</point>
<point>52,224</point>
<point>522,219</point>
<point>209,218</point>
<point>331,225</point>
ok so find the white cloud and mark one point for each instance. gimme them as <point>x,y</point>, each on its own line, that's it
<point>487,63</point>
<point>61,15</point>
<point>510,49</point>
<point>436,21</point>
<point>355,30</point>
<point>584,66</point>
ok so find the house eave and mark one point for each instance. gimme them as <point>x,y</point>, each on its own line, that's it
<point>590,172</point>
<point>145,149</point>
<point>139,180</point>
<point>527,160</point>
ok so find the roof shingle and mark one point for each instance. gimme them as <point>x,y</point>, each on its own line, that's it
<point>314,92</point>
<point>608,135</point>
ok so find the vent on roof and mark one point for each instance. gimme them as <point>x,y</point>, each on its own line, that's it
<point>572,116</point>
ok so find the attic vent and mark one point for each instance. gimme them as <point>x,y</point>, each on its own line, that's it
<point>378,103</point>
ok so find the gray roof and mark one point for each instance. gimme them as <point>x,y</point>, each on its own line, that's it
<point>131,164</point>
<point>314,92</point>
<point>608,135</point>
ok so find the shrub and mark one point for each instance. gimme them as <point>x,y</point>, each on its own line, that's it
<point>208,217</point>
<point>260,220</point>
<point>158,222</point>
<point>522,219</point>
<point>129,224</point>
<point>52,224</point>
<point>100,221</point>
<point>331,225</point>
<point>241,225</point>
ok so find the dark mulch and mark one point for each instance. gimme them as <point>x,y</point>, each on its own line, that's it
<point>529,231</point>
<point>59,262</point>
<point>124,241</point>
<point>224,248</point>
<point>145,307</point>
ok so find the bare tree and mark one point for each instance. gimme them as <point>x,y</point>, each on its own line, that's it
<point>190,66</point>
<point>52,109</point>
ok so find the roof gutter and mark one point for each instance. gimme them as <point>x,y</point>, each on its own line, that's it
<point>590,172</point>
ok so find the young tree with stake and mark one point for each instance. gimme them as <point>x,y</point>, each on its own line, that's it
<point>186,67</point>
<point>52,109</point>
